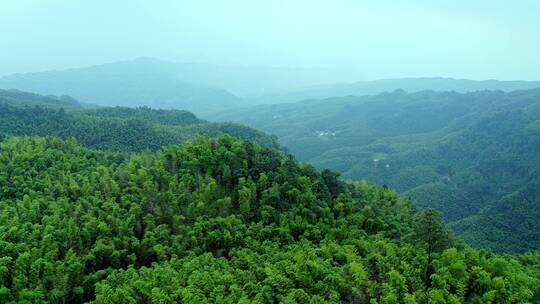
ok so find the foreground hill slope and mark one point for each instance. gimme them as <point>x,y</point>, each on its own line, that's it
<point>459,153</point>
<point>225,221</point>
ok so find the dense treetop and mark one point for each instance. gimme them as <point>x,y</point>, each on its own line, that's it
<point>225,221</point>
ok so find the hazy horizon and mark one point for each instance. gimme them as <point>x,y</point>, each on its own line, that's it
<point>383,39</point>
<point>271,67</point>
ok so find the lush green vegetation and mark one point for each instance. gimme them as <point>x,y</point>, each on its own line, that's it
<point>225,221</point>
<point>137,220</point>
<point>468,155</point>
<point>117,129</point>
<point>488,227</point>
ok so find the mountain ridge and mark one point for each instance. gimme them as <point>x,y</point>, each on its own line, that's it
<point>110,128</point>
<point>410,85</point>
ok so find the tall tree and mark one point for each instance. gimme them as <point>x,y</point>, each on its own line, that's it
<point>430,232</point>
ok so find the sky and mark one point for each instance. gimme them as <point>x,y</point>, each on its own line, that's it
<point>475,39</point>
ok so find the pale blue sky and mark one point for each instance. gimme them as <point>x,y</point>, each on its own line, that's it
<point>470,39</point>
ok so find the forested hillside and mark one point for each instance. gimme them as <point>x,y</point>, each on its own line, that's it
<point>16,97</point>
<point>116,129</point>
<point>464,154</point>
<point>225,221</point>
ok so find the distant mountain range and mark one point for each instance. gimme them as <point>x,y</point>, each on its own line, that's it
<point>205,89</point>
<point>130,84</point>
<point>160,84</point>
<point>410,85</point>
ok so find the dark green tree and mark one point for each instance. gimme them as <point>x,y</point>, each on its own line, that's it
<point>430,232</point>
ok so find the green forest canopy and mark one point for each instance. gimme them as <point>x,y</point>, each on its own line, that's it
<point>225,221</point>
